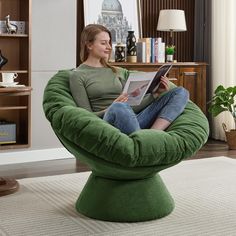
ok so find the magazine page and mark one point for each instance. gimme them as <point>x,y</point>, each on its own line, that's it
<point>137,86</point>
<point>162,71</point>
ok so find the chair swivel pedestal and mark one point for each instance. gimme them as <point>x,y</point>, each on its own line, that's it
<point>125,200</point>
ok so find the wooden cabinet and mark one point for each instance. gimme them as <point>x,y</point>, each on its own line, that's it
<point>15,102</point>
<point>190,75</point>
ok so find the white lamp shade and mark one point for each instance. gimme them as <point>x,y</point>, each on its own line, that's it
<point>171,20</point>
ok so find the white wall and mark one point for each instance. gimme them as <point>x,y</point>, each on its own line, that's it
<point>53,49</point>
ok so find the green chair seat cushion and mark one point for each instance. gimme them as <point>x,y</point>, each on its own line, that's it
<point>144,148</point>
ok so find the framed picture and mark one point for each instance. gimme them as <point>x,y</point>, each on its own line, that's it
<point>119,16</point>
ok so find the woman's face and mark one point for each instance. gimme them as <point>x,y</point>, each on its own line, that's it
<point>100,48</point>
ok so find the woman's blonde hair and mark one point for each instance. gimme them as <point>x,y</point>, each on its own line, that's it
<point>88,35</point>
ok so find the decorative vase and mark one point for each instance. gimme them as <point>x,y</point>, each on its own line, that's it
<point>169,58</point>
<point>131,47</point>
<point>3,60</point>
<point>120,53</point>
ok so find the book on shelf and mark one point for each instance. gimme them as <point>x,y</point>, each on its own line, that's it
<point>160,53</point>
<point>152,59</point>
<point>141,83</point>
<point>147,42</point>
<point>141,52</point>
<point>150,50</point>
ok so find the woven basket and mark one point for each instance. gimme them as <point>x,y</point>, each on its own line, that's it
<point>230,137</point>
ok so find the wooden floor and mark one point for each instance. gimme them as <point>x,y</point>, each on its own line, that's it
<point>45,168</point>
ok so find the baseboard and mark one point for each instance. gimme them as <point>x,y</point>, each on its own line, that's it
<point>34,155</point>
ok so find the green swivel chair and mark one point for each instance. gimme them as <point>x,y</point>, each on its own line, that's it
<point>124,185</point>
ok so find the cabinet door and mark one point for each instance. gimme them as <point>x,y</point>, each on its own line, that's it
<point>193,82</point>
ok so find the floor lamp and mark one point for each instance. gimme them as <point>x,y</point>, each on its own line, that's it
<point>172,20</point>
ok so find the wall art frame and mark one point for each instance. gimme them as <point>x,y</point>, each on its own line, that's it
<point>119,16</point>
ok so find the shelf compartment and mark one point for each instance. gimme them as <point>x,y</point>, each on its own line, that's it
<point>14,103</point>
<point>20,117</point>
<point>17,9</point>
<point>17,52</point>
<point>23,79</point>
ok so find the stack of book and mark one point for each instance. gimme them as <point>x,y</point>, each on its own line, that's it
<point>150,50</point>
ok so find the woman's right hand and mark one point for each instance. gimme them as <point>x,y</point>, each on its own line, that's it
<point>122,98</point>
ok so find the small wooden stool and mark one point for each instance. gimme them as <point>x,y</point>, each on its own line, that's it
<point>8,186</point>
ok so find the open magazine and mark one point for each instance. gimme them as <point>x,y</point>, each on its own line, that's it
<point>141,83</point>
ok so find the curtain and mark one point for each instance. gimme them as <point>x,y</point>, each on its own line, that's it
<point>223,68</point>
<point>202,38</point>
<point>202,31</point>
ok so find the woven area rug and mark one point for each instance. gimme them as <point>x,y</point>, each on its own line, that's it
<point>204,192</point>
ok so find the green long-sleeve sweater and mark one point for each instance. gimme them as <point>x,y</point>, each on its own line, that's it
<point>95,88</point>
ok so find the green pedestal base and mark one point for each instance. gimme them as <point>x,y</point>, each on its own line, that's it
<point>125,200</point>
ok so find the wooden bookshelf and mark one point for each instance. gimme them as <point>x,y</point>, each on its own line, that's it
<point>15,102</point>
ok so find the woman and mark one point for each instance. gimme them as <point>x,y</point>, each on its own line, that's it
<point>97,86</point>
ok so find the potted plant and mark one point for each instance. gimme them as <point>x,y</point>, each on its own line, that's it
<point>224,100</point>
<point>170,50</point>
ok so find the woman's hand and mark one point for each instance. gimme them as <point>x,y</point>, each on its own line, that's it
<point>138,91</point>
<point>122,98</point>
<point>163,87</point>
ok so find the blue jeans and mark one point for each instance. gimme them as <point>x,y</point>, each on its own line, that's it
<point>168,107</point>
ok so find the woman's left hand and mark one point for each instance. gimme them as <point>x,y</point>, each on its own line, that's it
<point>164,86</point>
<point>122,98</point>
